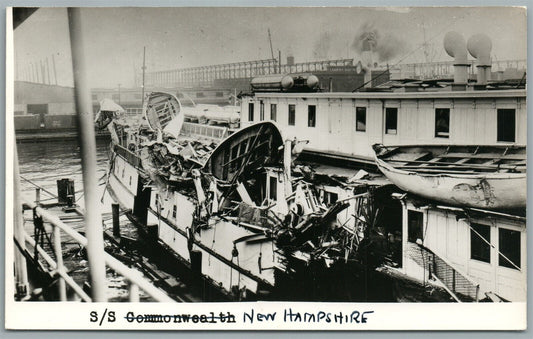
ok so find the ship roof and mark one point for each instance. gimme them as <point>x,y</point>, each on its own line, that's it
<point>470,94</point>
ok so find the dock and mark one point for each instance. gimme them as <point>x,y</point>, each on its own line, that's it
<point>54,233</point>
<point>51,135</point>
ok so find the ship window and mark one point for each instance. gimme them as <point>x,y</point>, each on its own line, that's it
<point>509,246</point>
<point>442,123</point>
<point>200,94</point>
<point>174,211</point>
<point>261,110</point>
<point>219,94</point>
<point>311,116</point>
<point>292,115</point>
<point>273,188</point>
<point>360,119</point>
<point>251,111</point>
<point>391,120</point>
<point>123,172</point>
<point>506,125</point>
<point>415,221</point>
<point>480,242</point>
<point>273,111</point>
<point>130,180</point>
<point>330,198</point>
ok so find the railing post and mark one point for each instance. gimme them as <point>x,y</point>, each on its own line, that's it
<point>477,293</point>
<point>433,266</point>
<point>287,162</point>
<point>37,195</point>
<point>93,218</point>
<point>134,292</point>
<point>453,280</point>
<point>59,260</point>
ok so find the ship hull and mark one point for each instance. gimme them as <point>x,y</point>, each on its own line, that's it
<point>490,191</point>
<point>238,270</point>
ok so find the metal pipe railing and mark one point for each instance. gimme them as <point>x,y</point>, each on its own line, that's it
<point>59,257</point>
<point>21,273</point>
<point>133,276</point>
<point>61,271</point>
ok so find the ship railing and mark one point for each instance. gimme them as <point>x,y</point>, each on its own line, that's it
<point>135,279</point>
<point>128,155</point>
<point>460,287</point>
<point>133,111</point>
<point>205,131</point>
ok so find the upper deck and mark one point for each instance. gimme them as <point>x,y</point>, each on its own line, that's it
<point>349,123</point>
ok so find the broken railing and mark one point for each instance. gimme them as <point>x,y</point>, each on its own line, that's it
<point>458,285</point>
<point>206,131</point>
<point>130,157</point>
<point>135,279</point>
<point>133,111</point>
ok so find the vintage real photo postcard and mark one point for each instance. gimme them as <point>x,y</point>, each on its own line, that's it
<point>292,168</point>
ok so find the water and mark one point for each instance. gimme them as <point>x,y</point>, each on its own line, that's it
<point>45,163</point>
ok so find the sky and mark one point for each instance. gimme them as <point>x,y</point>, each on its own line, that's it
<point>187,37</point>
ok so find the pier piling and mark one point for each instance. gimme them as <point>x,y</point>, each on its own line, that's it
<point>66,192</point>
<point>196,261</point>
<point>116,221</point>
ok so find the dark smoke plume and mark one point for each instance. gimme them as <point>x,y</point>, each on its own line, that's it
<point>385,45</point>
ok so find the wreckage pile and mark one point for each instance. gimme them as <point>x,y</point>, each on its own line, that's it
<point>311,230</point>
<point>171,162</point>
<point>320,235</point>
<point>226,179</point>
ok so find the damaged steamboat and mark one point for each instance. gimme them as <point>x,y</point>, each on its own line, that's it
<point>284,209</point>
<point>234,210</point>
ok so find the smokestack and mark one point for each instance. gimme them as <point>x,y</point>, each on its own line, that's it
<point>455,46</point>
<point>479,46</point>
<point>368,77</point>
<point>366,53</point>
<point>290,60</point>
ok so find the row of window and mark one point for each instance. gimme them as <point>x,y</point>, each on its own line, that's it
<point>311,113</point>
<point>508,244</point>
<point>506,120</point>
<point>480,241</point>
<point>117,171</point>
